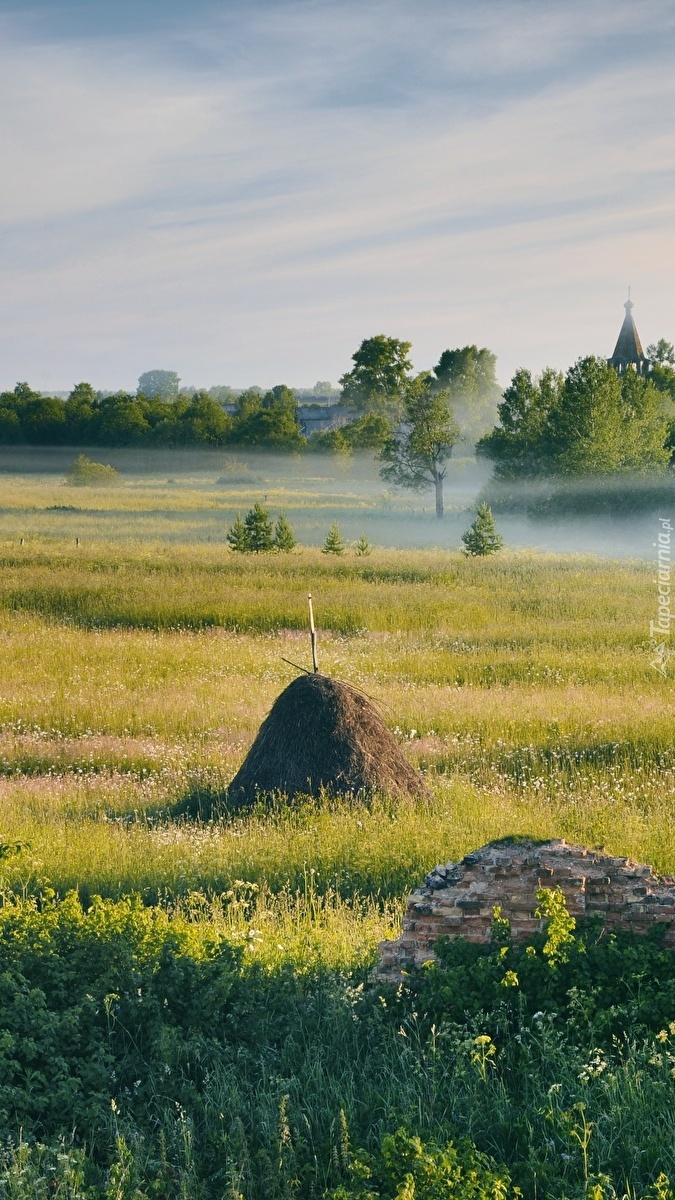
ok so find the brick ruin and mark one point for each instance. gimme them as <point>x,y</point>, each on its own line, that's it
<point>458,899</point>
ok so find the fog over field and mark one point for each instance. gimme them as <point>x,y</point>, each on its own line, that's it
<point>194,496</point>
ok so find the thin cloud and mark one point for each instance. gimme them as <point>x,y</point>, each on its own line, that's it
<point>254,188</point>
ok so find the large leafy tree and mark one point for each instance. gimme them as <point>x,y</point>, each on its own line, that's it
<point>378,380</point>
<point>469,374</point>
<point>165,384</point>
<point>592,422</point>
<point>416,456</point>
<point>518,445</point>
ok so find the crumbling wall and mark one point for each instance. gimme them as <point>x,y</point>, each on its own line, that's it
<point>458,899</point>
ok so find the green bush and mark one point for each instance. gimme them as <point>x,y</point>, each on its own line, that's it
<point>85,473</point>
<point>406,1168</point>
<point>481,537</point>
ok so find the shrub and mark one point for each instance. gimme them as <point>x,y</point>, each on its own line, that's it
<point>284,537</point>
<point>259,529</point>
<point>481,537</point>
<point>85,473</point>
<point>406,1168</point>
<point>334,543</point>
<point>237,536</point>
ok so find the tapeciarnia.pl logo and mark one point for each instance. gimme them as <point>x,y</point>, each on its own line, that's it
<point>659,630</point>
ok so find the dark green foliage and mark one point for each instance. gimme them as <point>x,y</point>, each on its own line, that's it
<point>481,537</point>
<point>334,543</point>
<point>161,417</point>
<point>237,535</point>
<point>270,420</point>
<point>187,1074</point>
<point>284,538</point>
<point>592,422</point>
<point>258,526</point>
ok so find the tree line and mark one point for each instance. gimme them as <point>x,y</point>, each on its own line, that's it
<point>90,418</point>
<point>589,421</point>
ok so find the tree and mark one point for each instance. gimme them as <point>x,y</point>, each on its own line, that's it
<point>284,537</point>
<point>334,543</point>
<point>518,445</point>
<point>378,379</point>
<point>258,529</point>
<point>661,353</point>
<point>80,410</point>
<point>270,421</point>
<point>416,457</point>
<point>237,535</point>
<point>481,537</point>
<point>603,422</point>
<point>363,547</point>
<point>119,421</point>
<point>43,421</point>
<point>165,384</point>
<point>203,422</point>
<point>469,375</point>
<point>592,422</point>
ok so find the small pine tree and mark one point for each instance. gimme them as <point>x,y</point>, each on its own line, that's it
<point>363,547</point>
<point>481,537</point>
<point>334,543</point>
<point>259,529</point>
<point>237,535</point>
<point>284,538</point>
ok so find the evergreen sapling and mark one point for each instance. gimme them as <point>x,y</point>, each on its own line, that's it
<point>259,529</point>
<point>237,535</point>
<point>481,537</point>
<point>284,538</point>
<point>334,543</point>
<point>363,547</point>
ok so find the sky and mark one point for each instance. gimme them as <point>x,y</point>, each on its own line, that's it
<point>243,190</point>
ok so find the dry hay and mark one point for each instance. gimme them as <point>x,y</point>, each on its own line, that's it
<point>323,735</point>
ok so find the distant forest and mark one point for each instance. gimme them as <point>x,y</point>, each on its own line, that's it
<point>587,421</point>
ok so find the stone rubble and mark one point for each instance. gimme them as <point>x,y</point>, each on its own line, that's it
<point>458,899</point>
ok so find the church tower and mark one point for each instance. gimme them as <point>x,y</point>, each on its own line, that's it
<point>628,350</point>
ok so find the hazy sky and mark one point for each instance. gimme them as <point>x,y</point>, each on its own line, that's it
<point>242,190</point>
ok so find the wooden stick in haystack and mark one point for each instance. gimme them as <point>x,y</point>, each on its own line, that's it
<point>312,633</point>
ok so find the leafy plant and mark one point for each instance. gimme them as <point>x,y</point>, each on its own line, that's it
<point>406,1168</point>
<point>85,473</point>
<point>363,547</point>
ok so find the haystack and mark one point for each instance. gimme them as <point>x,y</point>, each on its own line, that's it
<point>323,734</point>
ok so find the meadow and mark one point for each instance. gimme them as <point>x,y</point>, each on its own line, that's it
<point>135,672</point>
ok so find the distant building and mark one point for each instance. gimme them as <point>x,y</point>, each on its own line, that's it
<point>628,350</point>
<point>316,418</point>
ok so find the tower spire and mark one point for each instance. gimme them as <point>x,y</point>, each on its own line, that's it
<point>628,350</point>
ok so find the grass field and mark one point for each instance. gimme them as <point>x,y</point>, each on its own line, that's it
<point>134,676</point>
